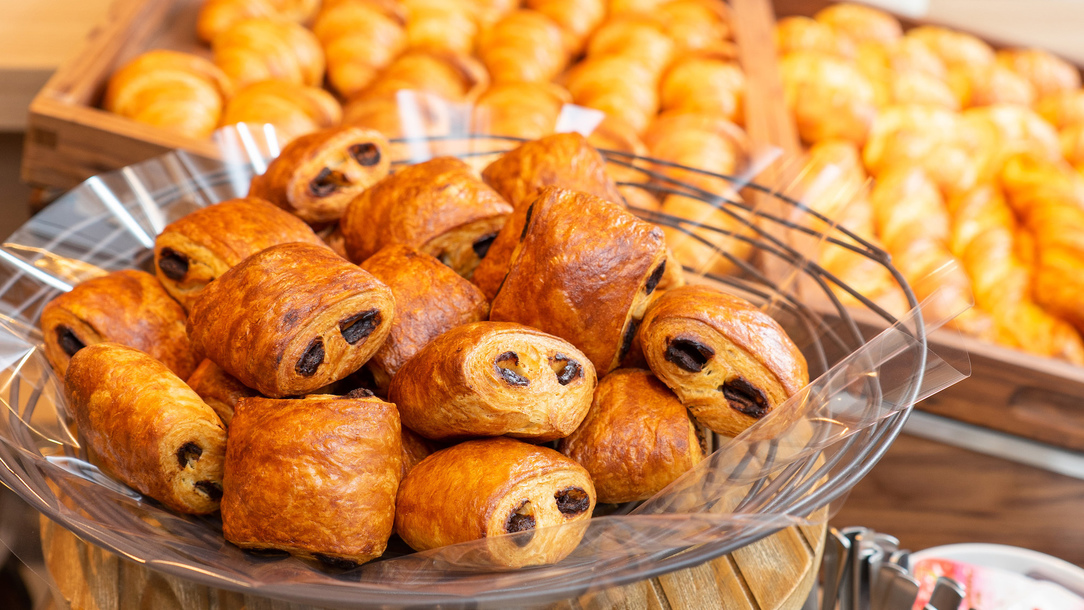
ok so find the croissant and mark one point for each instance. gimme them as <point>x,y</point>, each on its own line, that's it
<point>360,38</point>
<point>1072,145</point>
<point>220,390</point>
<point>619,85</point>
<point>482,489</point>
<point>953,47</point>
<point>860,23</point>
<point>828,97</point>
<point>316,176</point>
<point>523,46</point>
<point>1047,73</point>
<point>291,319</point>
<point>697,26</point>
<point>705,84</point>
<point>253,50</point>
<point>161,439</point>
<point>175,91</point>
<point>315,477</point>
<point>193,250</point>
<point>1062,109</point>
<point>729,362</point>
<point>636,439</point>
<point>128,307</point>
<point>440,25</point>
<point>613,134</point>
<point>406,114</point>
<point>796,33</point>
<point>452,76</point>
<point>488,12</point>
<point>983,85</point>
<point>438,206</point>
<point>521,110</point>
<point>430,298</point>
<point>294,110</point>
<point>577,18</point>
<point>638,37</point>
<point>218,15</point>
<point>1014,129</point>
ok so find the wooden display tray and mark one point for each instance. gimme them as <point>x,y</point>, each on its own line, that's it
<point>775,573</point>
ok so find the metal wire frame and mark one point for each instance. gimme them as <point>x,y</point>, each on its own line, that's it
<point>797,490</point>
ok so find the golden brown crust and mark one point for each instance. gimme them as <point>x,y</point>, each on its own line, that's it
<point>317,175</point>
<point>263,48</point>
<point>219,389</point>
<point>359,39</point>
<point>415,449</point>
<point>128,307</point>
<point>523,46</point>
<point>583,272</point>
<point>493,379</point>
<point>565,160</point>
<point>430,298</point>
<point>521,110</point>
<point>636,439</point>
<point>206,243</point>
<point>291,319</point>
<point>439,207</point>
<point>293,109</point>
<point>485,488</point>
<point>729,362</point>
<point>147,427</point>
<point>315,477</point>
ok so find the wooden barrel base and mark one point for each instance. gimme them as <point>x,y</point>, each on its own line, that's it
<point>776,573</point>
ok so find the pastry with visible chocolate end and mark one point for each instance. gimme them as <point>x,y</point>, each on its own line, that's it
<point>494,379</point>
<point>485,488</point>
<point>565,160</point>
<point>148,428</point>
<point>430,298</point>
<point>584,271</point>
<point>636,439</point>
<point>439,207</point>
<point>291,319</point>
<point>195,249</point>
<point>219,389</point>
<point>127,307</point>
<point>729,362</point>
<point>315,477</point>
<point>317,175</point>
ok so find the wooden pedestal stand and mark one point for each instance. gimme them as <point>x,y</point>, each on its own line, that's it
<point>776,573</point>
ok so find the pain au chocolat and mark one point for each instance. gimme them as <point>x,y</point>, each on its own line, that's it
<point>291,319</point>
<point>439,207</point>
<point>729,362</point>
<point>430,298</point>
<point>584,270</point>
<point>315,477</point>
<point>195,249</point>
<point>128,307</point>
<point>482,489</point>
<point>317,175</point>
<point>636,439</point>
<point>493,379</point>
<point>145,426</point>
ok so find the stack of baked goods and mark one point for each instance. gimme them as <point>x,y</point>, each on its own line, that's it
<point>481,358</point>
<point>975,156</point>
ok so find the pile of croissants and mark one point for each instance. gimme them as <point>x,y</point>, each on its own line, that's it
<point>460,357</point>
<point>977,161</point>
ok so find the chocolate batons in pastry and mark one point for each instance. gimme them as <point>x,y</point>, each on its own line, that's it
<point>315,477</point>
<point>584,270</point>
<point>729,362</point>
<point>565,160</point>
<point>439,207</point>
<point>317,175</point>
<point>430,298</point>
<point>482,489</point>
<point>199,247</point>
<point>291,319</point>
<point>128,307</point>
<point>636,439</point>
<point>220,390</point>
<point>145,426</point>
<point>494,379</point>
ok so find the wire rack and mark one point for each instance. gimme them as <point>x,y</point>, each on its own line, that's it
<point>110,222</point>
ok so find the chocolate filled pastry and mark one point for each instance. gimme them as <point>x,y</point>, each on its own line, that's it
<point>291,319</point>
<point>148,428</point>
<point>563,159</point>
<point>127,307</point>
<point>729,362</point>
<point>636,439</point>
<point>584,270</point>
<point>315,477</point>
<point>220,390</point>
<point>439,207</point>
<point>494,379</point>
<point>430,298</point>
<point>482,489</point>
<point>317,175</point>
<point>195,249</point>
